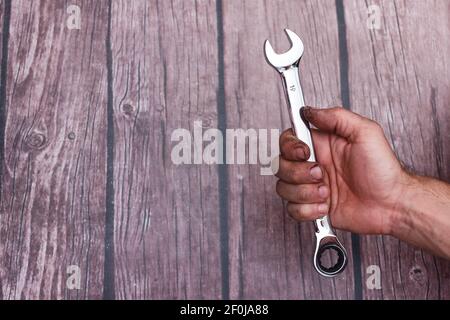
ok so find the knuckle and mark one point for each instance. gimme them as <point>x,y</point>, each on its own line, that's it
<point>275,165</point>
<point>296,175</point>
<point>294,210</point>
<point>289,146</point>
<point>281,143</point>
<point>374,126</point>
<point>338,110</point>
<point>298,212</point>
<point>284,135</point>
<point>283,149</point>
<point>304,193</point>
<point>278,187</point>
<point>280,168</point>
<point>306,151</point>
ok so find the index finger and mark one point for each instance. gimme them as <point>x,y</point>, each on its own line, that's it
<point>291,148</point>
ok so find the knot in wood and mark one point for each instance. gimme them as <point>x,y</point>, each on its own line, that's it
<point>206,123</point>
<point>417,275</point>
<point>71,135</point>
<point>128,109</point>
<point>35,141</point>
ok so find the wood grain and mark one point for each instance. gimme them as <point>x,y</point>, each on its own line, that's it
<point>270,255</point>
<point>52,209</point>
<point>399,77</point>
<point>86,173</point>
<point>5,10</point>
<point>166,223</point>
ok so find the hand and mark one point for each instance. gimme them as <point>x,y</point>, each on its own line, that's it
<point>358,180</point>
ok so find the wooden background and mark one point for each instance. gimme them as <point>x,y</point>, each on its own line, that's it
<point>86,118</point>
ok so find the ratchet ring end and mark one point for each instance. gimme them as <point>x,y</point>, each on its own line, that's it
<point>340,264</point>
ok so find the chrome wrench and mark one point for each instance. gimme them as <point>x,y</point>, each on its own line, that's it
<point>287,65</point>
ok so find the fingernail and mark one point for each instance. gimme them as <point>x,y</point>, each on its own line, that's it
<point>323,191</point>
<point>323,208</point>
<point>307,112</point>
<point>300,153</point>
<point>316,172</point>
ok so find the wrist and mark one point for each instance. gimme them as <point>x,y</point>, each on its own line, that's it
<point>422,216</point>
<point>402,217</point>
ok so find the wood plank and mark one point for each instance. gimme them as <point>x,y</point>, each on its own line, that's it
<point>166,222</point>
<point>5,10</point>
<point>270,255</point>
<point>399,77</point>
<point>53,198</point>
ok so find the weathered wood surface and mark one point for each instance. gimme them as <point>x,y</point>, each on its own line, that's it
<point>166,225</point>
<point>53,183</point>
<point>87,177</point>
<point>398,76</point>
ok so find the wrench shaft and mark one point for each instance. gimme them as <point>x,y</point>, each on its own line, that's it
<point>294,93</point>
<point>296,101</point>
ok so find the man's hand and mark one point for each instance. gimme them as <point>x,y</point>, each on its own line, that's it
<point>359,180</point>
<point>360,183</point>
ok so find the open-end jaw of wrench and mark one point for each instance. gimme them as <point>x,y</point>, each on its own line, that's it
<point>287,65</point>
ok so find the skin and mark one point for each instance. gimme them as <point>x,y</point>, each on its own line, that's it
<point>360,183</point>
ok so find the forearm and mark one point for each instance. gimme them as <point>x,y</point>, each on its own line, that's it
<point>423,218</point>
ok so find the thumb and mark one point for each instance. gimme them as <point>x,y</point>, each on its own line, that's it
<point>336,120</point>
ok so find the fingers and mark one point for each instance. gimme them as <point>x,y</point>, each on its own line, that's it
<point>301,183</point>
<point>303,193</point>
<point>337,120</point>
<point>291,148</point>
<point>299,172</point>
<point>307,212</point>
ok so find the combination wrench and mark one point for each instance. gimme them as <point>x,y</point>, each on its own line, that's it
<point>287,65</point>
